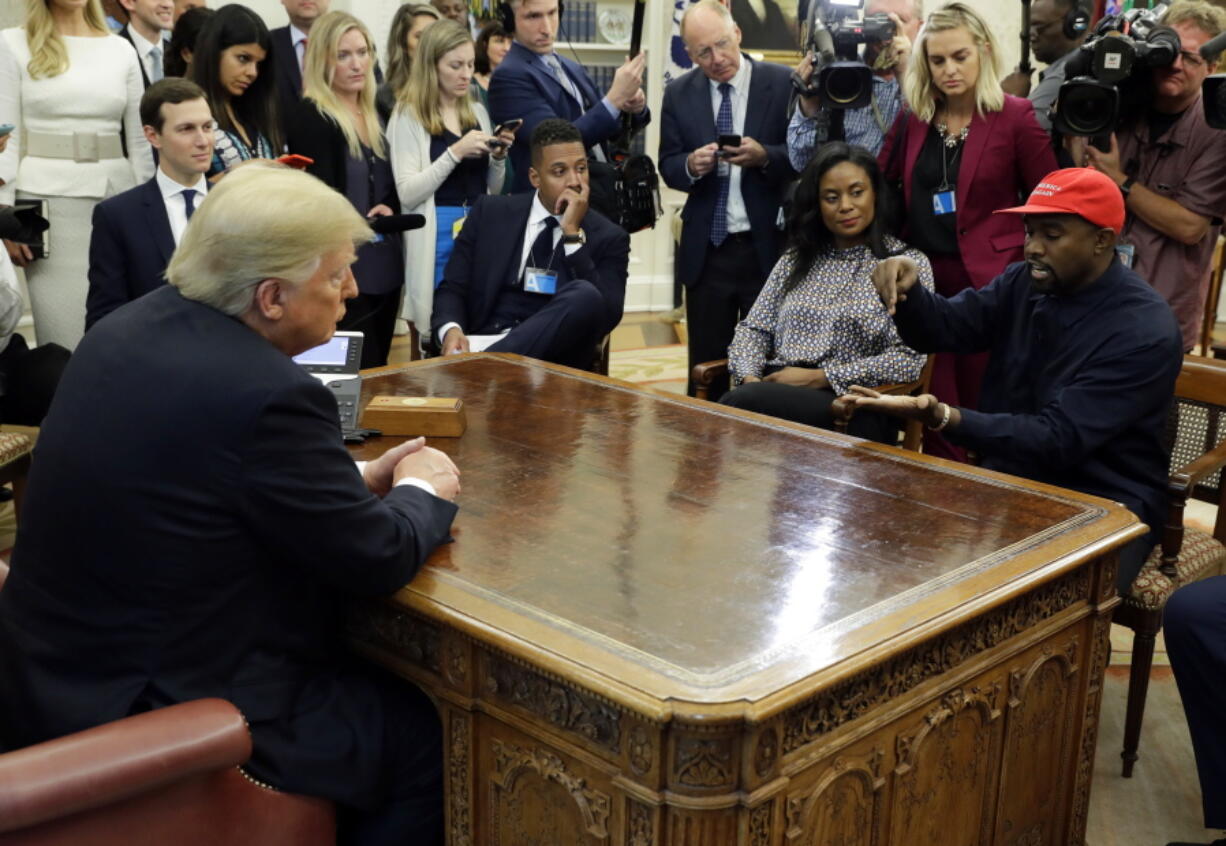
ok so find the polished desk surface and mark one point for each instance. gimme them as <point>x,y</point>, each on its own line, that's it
<point>690,560</point>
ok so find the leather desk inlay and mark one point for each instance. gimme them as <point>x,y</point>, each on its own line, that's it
<point>678,560</point>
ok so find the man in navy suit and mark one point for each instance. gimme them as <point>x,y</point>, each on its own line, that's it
<point>148,31</point>
<point>289,44</point>
<point>536,274</point>
<point>218,524</point>
<point>534,83</point>
<point>730,238</point>
<point>134,233</point>
<point>1195,630</point>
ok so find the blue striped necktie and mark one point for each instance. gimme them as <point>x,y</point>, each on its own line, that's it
<point>723,126</point>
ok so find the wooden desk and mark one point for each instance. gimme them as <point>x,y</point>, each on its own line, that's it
<point>667,623</point>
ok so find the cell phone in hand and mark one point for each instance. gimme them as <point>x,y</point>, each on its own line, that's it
<point>727,141</point>
<point>6,128</point>
<point>509,126</point>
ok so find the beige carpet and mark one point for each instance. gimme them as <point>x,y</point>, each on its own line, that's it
<point>1161,802</point>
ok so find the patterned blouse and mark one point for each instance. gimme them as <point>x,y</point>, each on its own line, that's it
<point>229,149</point>
<point>833,319</point>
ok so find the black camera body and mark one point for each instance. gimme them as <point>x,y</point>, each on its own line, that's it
<point>1109,76</point>
<point>834,32</point>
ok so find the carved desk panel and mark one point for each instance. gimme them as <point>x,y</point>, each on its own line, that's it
<point>666,623</point>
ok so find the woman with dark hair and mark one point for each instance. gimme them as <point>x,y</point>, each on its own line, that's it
<point>229,64</point>
<point>818,326</point>
<point>493,42</point>
<point>178,60</point>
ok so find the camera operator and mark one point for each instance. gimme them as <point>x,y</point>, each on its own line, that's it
<point>866,127</point>
<point>1054,37</point>
<point>1171,168</point>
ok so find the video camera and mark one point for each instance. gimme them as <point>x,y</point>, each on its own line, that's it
<point>1213,90</point>
<point>1108,77</point>
<point>834,32</point>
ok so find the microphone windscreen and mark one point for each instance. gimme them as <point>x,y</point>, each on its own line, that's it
<point>393,223</point>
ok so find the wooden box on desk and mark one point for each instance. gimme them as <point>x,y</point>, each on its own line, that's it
<point>435,417</point>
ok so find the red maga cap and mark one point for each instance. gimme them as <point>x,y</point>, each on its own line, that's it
<point>1080,191</point>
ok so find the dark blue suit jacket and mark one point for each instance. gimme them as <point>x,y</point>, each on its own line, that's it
<point>688,122</point>
<point>288,76</point>
<point>523,87</point>
<point>218,525</point>
<point>487,254</point>
<point>129,249</point>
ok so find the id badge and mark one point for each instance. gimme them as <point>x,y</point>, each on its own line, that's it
<point>944,202</point>
<point>1126,253</point>
<point>456,226</point>
<point>540,281</point>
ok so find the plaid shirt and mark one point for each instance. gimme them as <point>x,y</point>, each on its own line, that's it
<point>860,126</point>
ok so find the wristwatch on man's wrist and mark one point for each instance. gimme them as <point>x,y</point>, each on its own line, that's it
<point>579,237</point>
<point>1126,186</point>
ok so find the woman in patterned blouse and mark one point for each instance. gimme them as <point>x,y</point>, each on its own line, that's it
<point>818,326</point>
<point>231,64</point>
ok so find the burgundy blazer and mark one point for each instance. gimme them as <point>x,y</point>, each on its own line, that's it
<point>1006,155</point>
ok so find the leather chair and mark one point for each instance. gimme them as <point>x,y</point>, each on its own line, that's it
<point>170,776</point>
<point>1196,432</point>
<point>711,372</point>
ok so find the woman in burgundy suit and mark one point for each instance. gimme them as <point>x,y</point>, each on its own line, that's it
<point>963,150</point>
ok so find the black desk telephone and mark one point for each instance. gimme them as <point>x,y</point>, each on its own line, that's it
<point>336,363</point>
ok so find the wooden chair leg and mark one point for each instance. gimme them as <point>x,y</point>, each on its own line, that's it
<point>1143,640</point>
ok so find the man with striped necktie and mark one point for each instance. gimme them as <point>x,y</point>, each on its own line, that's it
<point>730,238</point>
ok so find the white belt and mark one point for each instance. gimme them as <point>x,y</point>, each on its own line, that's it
<point>78,146</point>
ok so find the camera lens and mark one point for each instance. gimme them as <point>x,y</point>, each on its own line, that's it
<point>846,85</point>
<point>1089,109</point>
<point>843,87</point>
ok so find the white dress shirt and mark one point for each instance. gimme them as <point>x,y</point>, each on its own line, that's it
<point>144,48</point>
<point>536,222</point>
<point>738,217</point>
<point>298,38</point>
<point>176,207</point>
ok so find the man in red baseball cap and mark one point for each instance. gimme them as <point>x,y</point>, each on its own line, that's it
<point>1083,356</point>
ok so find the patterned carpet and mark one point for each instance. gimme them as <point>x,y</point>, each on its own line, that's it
<point>659,367</point>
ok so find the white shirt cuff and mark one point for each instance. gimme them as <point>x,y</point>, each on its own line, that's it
<point>407,480</point>
<point>417,483</point>
<point>444,329</point>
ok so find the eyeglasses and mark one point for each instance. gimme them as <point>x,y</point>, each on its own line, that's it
<point>707,53</point>
<point>1192,60</point>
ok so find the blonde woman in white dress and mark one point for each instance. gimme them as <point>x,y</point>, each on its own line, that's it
<point>73,90</point>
